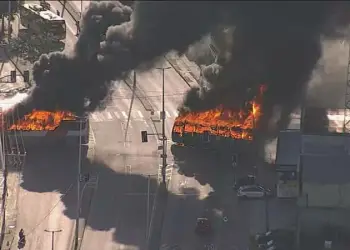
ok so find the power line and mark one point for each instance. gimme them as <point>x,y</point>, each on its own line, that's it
<point>37,225</point>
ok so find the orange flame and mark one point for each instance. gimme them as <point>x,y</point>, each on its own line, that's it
<point>43,120</point>
<point>222,121</point>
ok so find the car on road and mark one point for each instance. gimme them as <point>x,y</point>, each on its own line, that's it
<point>203,226</point>
<point>253,191</point>
<point>245,181</point>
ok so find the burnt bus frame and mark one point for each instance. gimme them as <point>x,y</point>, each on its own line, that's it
<point>208,141</point>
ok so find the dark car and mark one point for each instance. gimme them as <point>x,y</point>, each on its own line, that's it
<point>203,226</point>
<point>245,181</point>
<point>265,241</point>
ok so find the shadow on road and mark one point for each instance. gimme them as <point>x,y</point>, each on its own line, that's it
<point>119,203</point>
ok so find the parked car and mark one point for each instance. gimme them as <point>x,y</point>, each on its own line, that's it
<point>264,241</point>
<point>253,191</point>
<point>245,181</point>
<point>203,226</point>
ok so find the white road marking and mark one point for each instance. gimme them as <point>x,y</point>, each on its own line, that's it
<point>109,116</point>
<point>146,124</point>
<point>95,117</point>
<point>133,115</point>
<point>140,113</point>
<point>117,114</point>
<point>125,115</point>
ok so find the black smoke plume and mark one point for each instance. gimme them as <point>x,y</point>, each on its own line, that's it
<point>274,43</point>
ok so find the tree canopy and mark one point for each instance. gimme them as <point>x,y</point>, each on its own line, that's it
<point>29,45</point>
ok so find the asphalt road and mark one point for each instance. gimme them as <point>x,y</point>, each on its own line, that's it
<point>119,211</point>
<point>46,192</point>
<point>118,216</point>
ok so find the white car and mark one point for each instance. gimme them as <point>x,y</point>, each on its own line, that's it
<point>253,191</point>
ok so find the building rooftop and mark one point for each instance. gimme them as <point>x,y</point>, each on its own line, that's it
<point>325,169</point>
<point>288,147</point>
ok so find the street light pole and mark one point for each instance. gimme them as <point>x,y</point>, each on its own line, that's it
<point>53,236</point>
<point>9,20</point>
<point>78,188</point>
<point>164,156</point>
<point>148,201</point>
<point>267,216</point>
<point>81,8</point>
<point>130,109</point>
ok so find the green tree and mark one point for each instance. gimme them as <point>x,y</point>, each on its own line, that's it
<point>29,45</point>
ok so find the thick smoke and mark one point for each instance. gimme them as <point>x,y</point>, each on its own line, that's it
<point>76,81</point>
<point>277,44</point>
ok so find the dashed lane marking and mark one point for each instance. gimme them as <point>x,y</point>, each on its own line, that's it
<point>125,115</point>
<point>140,113</point>
<point>109,116</point>
<point>117,115</point>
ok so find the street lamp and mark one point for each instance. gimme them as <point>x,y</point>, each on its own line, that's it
<point>162,116</point>
<point>267,215</point>
<point>53,236</point>
<point>78,183</point>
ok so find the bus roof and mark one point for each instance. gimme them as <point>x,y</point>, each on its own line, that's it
<point>39,10</point>
<point>48,15</point>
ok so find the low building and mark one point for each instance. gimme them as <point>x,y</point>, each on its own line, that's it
<point>325,183</point>
<point>287,158</point>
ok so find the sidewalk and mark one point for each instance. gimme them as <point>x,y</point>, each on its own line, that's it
<point>10,231</point>
<point>80,5</point>
<point>16,63</point>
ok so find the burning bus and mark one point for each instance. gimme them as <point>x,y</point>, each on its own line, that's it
<point>41,126</point>
<point>219,127</point>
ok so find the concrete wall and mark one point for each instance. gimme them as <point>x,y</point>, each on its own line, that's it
<point>315,144</point>
<point>313,220</point>
<point>327,196</point>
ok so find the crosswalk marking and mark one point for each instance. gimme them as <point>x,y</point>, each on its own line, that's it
<point>133,115</point>
<point>95,117</point>
<point>109,116</point>
<point>125,115</point>
<point>117,115</point>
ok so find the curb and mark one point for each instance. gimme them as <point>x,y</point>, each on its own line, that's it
<point>70,9</point>
<point>83,222</point>
<point>3,207</point>
<point>157,218</point>
<point>174,64</point>
<point>139,93</point>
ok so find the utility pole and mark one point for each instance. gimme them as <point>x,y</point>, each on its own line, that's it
<point>9,21</point>
<point>148,201</point>
<point>53,236</point>
<point>267,216</point>
<point>81,8</point>
<point>78,187</point>
<point>164,156</point>
<point>131,103</point>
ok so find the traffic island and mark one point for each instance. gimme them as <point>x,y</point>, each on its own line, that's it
<point>157,221</point>
<point>85,211</point>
